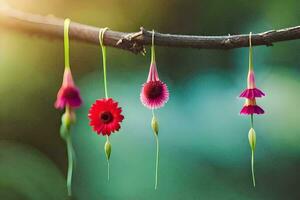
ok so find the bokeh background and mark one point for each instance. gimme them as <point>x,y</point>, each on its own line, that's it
<point>204,146</point>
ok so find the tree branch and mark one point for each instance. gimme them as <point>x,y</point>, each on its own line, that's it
<point>53,27</point>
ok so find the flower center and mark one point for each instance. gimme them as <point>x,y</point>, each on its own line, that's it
<point>154,91</point>
<point>106,117</point>
<point>70,93</point>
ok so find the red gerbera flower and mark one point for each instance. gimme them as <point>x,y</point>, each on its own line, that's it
<point>68,94</point>
<point>105,116</point>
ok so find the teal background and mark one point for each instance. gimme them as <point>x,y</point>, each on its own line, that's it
<point>204,141</point>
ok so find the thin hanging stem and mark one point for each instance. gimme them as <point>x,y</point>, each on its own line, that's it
<point>157,162</point>
<point>250,52</point>
<point>66,42</point>
<point>108,171</point>
<point>70,165</point>
<point>252,123</point>
<point>157,156</point>
<point>252,155</point>
<point>103,48</point>
<point>252,167</point>
<point>107,159</point>
<point>152,48</point>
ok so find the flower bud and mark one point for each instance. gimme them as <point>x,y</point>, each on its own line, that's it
<point>68,118</point>
<point>64,131</point>
<point>252,139</point>
<point>154,124</point>
<point>107,149</point>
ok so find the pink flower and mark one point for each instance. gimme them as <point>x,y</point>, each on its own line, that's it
<point>68,94</point>
<point>251,108</point>
<point>154,92</point>
<point>251,92</point>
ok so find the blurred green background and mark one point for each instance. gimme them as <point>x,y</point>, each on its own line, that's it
<point>204,141</point>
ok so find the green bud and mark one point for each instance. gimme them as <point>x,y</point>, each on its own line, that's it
<point>154,124</point>
<point>107,149</point>
<point>68,118</point>
<point>252,139</point>
<point>64,131</point>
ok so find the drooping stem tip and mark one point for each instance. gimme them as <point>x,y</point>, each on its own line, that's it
<point>157,161</point>
<point>252,142</point>
<point>107,149</point>
<point>252,167</point>
<point>154,124</point>
<point>70,165</point>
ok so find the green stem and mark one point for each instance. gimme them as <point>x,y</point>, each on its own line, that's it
<point>104,70</point>
<point>252,155</point>
<point>70,165</point>
<point>152,49</point>
<point>250,53</point>
<point>66,42</point>
<point>252,167</point>
<point>73,157</point>
<point>157,156</point>
<point>103,48</point>
<point>108,166</point>
<point>157,162</point>
<point>108,172</point>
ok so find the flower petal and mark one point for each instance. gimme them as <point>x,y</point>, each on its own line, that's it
<point>252,93</point>
<point>251,109</point>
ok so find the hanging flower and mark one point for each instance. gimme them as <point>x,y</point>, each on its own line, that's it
<point>154,92</point>
<point>251,108</point>
<point>68,94</point>
<point>68,98</point>
<point>105,116</point>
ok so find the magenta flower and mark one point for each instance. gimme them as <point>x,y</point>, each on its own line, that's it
<point>251,108</point>
<point>251,92</point>
<point>154,95</point>
<point>68,94</point>
<point>154,92</point>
